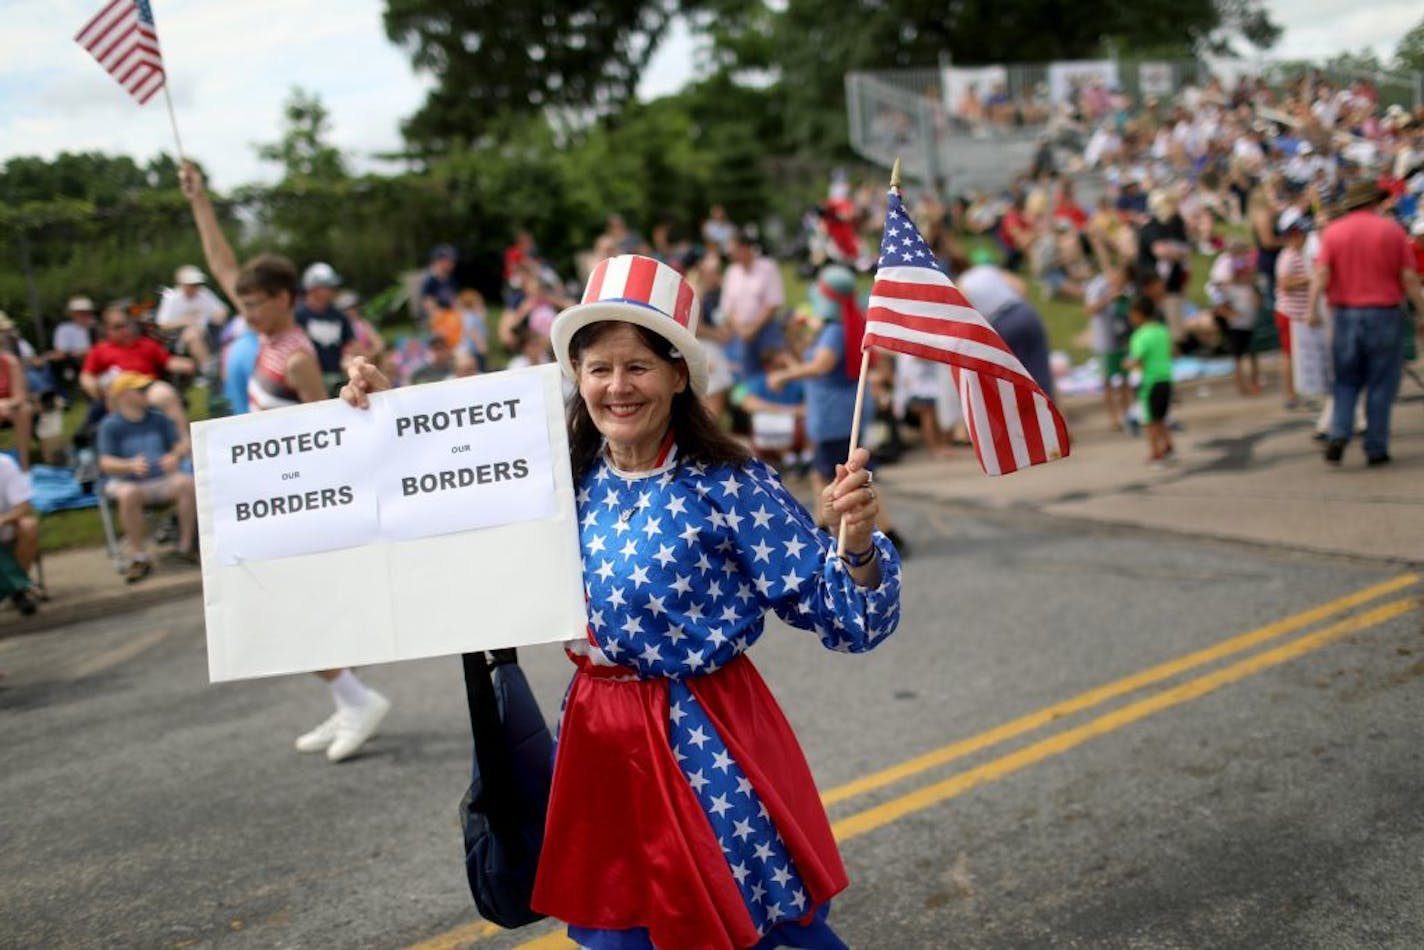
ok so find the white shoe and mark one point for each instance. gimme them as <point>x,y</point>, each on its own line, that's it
<point>355,726</point>
<point>322,736</point>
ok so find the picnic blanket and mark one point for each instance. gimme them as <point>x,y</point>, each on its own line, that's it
<point>55,489</point>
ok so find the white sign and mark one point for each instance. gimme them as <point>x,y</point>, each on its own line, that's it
<point>482,560</point>
<point>290,481</point>
<point>464,456</point>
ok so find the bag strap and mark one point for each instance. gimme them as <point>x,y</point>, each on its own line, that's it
<point>491,755</point>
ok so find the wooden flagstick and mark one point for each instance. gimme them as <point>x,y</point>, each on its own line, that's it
<point>177,140</point>
<point>860,393</point>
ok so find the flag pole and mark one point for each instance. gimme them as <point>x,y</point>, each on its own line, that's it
<point>173,121</point>
<point>860,393</point>
<point>854,437</point>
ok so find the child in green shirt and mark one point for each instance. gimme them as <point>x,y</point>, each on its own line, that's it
<point>1150,350</point>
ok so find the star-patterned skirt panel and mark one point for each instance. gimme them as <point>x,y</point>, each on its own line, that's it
<point>757,856</point>
<point>636,841</point>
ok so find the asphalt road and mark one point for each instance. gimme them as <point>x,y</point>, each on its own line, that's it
<point>1265,794</point>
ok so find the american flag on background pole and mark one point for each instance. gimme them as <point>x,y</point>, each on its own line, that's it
<point>123,39</point>
<point>916,309</point>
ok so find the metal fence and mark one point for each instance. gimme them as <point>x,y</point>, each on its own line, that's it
<point>923,116</point>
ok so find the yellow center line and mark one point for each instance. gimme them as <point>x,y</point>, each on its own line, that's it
<point>1096,697</point>
<point>459,937</point>
<point>922,798</point>
<point>557,940</point>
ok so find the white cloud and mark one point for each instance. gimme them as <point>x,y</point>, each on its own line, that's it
<point>230,67</point>
<point>1316,29</point>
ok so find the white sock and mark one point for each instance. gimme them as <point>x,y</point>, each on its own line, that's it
<point>348,691</point>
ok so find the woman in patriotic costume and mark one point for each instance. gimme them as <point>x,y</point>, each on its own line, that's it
<point>683,814</point>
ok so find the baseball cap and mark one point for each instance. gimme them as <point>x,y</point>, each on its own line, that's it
<point>129,380</point>
<point>80,303</point>
<point>320,274</point>
<point>6,324</point>
<point>188,274</point>
<point>443,252</point>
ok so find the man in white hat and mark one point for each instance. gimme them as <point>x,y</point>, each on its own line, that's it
<point>327,326</point>
<point>187,311</point>
<point>72,340</point>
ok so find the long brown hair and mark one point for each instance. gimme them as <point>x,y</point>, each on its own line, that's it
<point>699,437</point>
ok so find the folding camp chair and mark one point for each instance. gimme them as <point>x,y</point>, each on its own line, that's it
<point>160,528</point>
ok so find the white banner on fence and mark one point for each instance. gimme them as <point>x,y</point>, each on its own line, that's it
<point>1064,77</point>
<point>1154,79</point>
<point>956,81</point>
<point>439,521</point>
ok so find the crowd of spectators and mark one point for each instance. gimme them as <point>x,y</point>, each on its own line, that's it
<point>1228,184</point>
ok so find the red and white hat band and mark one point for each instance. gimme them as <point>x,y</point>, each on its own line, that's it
<point>643,282</point>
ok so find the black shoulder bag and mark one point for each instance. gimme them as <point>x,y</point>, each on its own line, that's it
<point>502,813</point>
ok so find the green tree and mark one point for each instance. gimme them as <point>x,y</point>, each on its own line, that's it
<point>1409,54</point>
<point>104,180</point>
<point>304,151</point>
<point>491,59</point>
<point>807,46</point>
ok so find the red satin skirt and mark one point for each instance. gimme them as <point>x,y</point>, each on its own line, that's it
<point>628,845</point>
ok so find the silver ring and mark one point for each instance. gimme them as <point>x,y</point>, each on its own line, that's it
<point>869,476</point>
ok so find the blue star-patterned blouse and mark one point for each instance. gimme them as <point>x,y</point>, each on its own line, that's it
<point>681,563</point>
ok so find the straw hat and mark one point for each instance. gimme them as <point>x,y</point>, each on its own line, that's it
<point>1361,194</point>
<point>642,291</point>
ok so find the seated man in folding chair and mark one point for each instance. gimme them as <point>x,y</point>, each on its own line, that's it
<point>140,451</point>
<point>19,536</point>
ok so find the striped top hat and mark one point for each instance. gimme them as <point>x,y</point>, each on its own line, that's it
<point>639,290</point>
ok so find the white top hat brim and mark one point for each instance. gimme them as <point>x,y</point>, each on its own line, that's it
<point>581,315</point>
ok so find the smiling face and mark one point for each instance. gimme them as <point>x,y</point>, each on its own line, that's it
<point>628,389</point>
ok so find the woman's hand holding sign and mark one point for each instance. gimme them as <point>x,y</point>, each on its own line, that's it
<point>363,379</point>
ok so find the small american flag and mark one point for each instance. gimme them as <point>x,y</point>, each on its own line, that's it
<point>123,39</point>
<point>916,309</point>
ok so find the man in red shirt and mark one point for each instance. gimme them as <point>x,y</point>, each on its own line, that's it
<point>125,349</point>
<point>1365,270</point>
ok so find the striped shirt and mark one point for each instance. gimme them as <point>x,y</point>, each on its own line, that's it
<point>1292,303</point>
<point>268,386</point>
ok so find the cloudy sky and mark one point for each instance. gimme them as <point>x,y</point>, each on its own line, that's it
<point>231,65</point>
